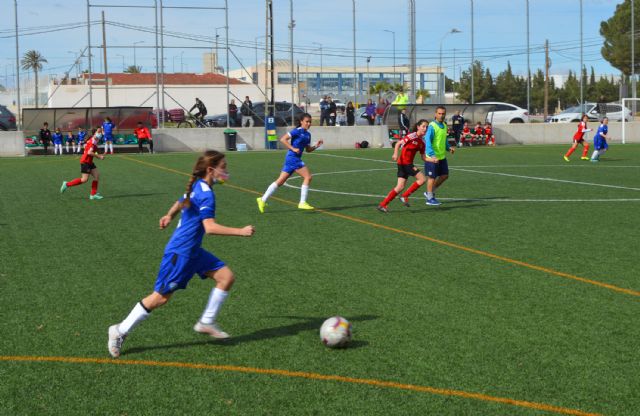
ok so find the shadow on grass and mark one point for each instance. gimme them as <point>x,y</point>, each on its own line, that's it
<point>135,195</point>
<point>304,324</point>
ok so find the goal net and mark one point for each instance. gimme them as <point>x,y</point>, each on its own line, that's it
<point>627,103</point>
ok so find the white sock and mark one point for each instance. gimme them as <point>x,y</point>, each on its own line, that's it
<point>270,190</point>
<point>137,315</point>
<point>430,195</point>
<point>111,147</point>
<point>216,299</point>
<point>594,155</point>
<point>67,148</point>
<point>304,191</point>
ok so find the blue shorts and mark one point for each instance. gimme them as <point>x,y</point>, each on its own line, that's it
<point>176,270</point>
<point>600,144</point>
<point>433,170</point>
<point>108,137</point>
<point>291,164</point>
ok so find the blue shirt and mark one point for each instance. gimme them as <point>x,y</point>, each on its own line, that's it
<point>81,136</point>
<point>108,126</point>
<point>300,139</point>
<point>187,238</point>
<point>428,139</point>
<point>604,129</point>
<point>57,138</point>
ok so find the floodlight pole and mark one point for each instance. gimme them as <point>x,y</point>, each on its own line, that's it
<point>473,100</point>
<point>412,51</point>
<point>581,63</point>
<point>355,74</point>
<point>292,24</point>
<point>15,15</point>
<point>528,65</point>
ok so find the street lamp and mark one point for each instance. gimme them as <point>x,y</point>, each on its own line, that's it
<point>440,77</point>
<point>135,63</point>
<point>316,43</point>
<point>217,36</point>
<point>122,56</point>
<point>368,78</point>
<point>394,48</point>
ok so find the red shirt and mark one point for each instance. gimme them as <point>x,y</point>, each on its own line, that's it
<point>479,130</point>
<point>466,130</point>
<point>487,131</point>
<point>91,144</point>
<point>142,133</point>
<point>579,135</point>
<point>411,144</point>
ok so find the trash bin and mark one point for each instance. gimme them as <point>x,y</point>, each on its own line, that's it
<point>230,136</point>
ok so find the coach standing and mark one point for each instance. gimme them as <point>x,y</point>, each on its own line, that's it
<point>458,124</point>
<point>437,145</point>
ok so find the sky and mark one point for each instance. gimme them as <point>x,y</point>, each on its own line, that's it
<point>323,32</point>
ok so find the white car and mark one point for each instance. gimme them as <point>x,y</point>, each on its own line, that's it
<point>506,113</point>
<point>573,114</point>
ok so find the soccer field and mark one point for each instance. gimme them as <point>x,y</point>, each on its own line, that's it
<point>517,296</point>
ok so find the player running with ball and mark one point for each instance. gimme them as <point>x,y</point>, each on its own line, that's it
<point>411,144</point>
<point>87,167</point>
<point>578,138</point>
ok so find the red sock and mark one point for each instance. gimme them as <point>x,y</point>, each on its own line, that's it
<point>389,198</point>
<point>571,150</point>
<point>411,190</point>
<point>76,181</point>
<point>94,187</point>
<point>585,150</point>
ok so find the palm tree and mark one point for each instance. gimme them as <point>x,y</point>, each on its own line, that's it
<point>131,69</point>
<point>33,60</point>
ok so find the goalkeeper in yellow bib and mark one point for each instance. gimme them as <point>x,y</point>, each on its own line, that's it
<point>437,146</point>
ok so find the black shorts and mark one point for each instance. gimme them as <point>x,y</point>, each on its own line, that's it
<point>404,171</point>
<point>87,167</point>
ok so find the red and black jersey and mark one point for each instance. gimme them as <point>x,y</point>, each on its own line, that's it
<point>142,133</point>
<point>488,131</point>
<point>411,144</point>
<point>86,157</point>
<point>579,134</point>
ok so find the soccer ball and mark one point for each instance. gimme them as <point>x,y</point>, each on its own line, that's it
<point>335,332</point>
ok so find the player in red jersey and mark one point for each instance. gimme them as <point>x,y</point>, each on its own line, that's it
<point>578,138</point>
<point>87,167</point>
<point>466,135</point>
<point>478,133</point>
<point>411,144</point>
<point>490,139</point>
<point>143,134</point>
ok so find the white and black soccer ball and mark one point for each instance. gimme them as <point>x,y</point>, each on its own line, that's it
<point>335,332</point>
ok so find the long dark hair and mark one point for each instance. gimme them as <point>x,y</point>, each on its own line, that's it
<point>415,126</point>
<point>302,117</point>
<point>209,159</point>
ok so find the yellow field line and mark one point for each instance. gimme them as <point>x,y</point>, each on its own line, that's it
<point>308,376</point>
<point>431,239</point>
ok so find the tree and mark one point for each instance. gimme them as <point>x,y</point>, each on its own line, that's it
<point>570,92</point>
<point>132,69</point>
<point>33,60</point>
<point>510,88</point>
<point>380,88</point>
<point>617,38</point>
<point>424,93</point>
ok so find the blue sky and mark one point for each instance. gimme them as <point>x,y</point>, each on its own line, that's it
<point>500,33</point>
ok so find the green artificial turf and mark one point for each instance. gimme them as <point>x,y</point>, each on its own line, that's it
<point>523,285</point>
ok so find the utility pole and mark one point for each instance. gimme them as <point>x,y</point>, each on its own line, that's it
<point>104,55</point>
<point>547,64</point>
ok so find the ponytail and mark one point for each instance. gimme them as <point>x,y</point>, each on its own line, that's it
<point>209,159</point>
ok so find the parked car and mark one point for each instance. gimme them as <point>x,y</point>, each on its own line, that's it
<point>7,119</point>
<point>282,115</point>
<point>503,113</point>
<point>573,114</point>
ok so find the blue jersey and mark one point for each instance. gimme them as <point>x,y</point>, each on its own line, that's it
<point>187,237</point>
<point>599,142</point>
<point>68,138</point>
<point>300,139</point>
<point>108,126</point>
<point>57,138</point>
<point>81,136</point>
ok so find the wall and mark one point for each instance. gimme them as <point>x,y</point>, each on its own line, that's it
<point>11,143</point>
<point>185,140</point>
<point>559,133</point>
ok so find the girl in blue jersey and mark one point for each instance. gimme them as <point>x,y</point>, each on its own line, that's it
<point>57,141</point>
<point>300,141</point>
<point>69,140</point>
<point>107,127</point>
<point>183,256</point>
<point>82,134</point>
<point>600,140</point>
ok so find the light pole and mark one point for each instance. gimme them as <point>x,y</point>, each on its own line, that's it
<point>633,58</point>
<point>473,100</point>
<point>217,36</point>
<point>355,80</point>
<point>316,43</point>
<point>135,62</point>
<point>368,78</point>
<point>394,48</point>
<point>19,115</point>
<point>581,80</point>
<point>528,65</point>
<point>292,24</point>
<point>441,84</point>
<point>122,56</point>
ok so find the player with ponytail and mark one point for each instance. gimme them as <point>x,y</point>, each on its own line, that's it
<point>183,256</point>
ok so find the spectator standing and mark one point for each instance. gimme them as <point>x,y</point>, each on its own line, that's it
<point>437,146</point>
<point>233,113</point>
<point>351,114</point>
<point>143,134</point>
<point>333,110</point>
<point>403,121</point>
<point>324,111</point>
<point>457,122</point>
<point>45,137</point>
<point>247,112</point>
<point>370,111</point>
<point>202,111</point>
<point>380,109</point>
